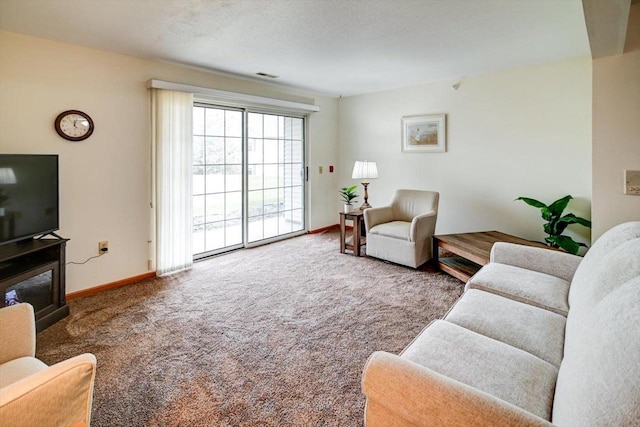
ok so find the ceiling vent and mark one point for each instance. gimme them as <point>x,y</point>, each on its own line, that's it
<point>271,76</point>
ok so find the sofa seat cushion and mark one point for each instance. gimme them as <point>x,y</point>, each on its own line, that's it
<point>17,369</point>
<point>529,328</point>
<point>527,286</point>
<point>491,366</point>
<point>395,229</point>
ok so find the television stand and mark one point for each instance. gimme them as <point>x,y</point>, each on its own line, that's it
<point>33,271</point>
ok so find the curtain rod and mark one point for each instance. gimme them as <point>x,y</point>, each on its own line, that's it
<point>232,96</point>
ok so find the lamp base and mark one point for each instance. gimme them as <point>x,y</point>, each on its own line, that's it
<point>366,204</point>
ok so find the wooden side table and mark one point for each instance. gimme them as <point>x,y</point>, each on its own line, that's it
<point>357,240</point>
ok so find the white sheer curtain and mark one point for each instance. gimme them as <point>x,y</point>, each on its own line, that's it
<point>172,123</point>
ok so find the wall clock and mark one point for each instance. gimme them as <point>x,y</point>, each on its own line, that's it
<point>74,125</point>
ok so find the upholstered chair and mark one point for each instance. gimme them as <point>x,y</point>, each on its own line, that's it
<point>32,393</point>
<point>401,232</point>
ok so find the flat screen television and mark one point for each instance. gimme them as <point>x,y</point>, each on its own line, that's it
<point>28,196</point>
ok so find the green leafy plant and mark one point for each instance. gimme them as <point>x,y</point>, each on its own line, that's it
<point>348,194</point>
<point>556,223</point>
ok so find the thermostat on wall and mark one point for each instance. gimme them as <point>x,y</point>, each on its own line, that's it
<point>632,183</point>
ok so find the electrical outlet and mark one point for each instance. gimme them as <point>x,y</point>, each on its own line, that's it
<point>103,247</point>
<point>320,169</point>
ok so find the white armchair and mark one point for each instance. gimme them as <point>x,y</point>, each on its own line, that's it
<point>32,393</point>
<point>401,232</point>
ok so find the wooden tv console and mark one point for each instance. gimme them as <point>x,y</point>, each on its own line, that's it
<point>34,271</point>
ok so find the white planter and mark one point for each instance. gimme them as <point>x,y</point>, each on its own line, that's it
<point>349,208</point>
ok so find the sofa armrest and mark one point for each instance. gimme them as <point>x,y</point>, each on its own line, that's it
<point>423,226</point>
<point>60,395</point>
<point>375,216</point>
<point>400,392</point>
<point>18,332</point>
<point>555,263</point>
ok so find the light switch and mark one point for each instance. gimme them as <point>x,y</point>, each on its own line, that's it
<point>320,169</point>
<point>632,183</point>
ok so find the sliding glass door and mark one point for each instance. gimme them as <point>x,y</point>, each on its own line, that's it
<point>248,178</point>
<point>275,176</point>
<point>217,179</point>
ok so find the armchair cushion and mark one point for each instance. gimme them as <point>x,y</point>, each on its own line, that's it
<point>18,369</point>
<point>395,229</point>
<point>407,204</point>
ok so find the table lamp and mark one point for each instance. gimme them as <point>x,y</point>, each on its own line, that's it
<point>365,171</point>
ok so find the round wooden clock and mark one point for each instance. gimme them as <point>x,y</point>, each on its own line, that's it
<point>74,125</point>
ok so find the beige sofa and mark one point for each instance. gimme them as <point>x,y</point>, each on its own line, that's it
<point>32,393</point>
<point>539,337</point>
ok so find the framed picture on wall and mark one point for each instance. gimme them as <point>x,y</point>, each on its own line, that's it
<point>424,134</point>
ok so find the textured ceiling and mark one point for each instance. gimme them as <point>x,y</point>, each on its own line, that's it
<point>334,47</point>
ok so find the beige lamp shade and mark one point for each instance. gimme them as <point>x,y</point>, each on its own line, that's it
<point>364,170</point>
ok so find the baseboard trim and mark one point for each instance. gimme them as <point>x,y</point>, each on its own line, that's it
<point>111,285</point>
<point>323,229</point>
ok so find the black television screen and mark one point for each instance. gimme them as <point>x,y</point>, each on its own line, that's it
<point>28,196</point>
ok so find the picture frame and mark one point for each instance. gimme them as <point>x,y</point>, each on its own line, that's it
<point>425,133</point>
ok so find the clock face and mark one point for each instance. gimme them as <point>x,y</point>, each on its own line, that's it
<point>74,125</point>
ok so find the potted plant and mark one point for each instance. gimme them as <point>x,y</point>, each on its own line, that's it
<point>348,195</point>
<point>556,223</point>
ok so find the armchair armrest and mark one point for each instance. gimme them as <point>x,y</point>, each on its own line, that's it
<point>375,216</point>
<point>555,263</point>
<point>400,392</point>
<point>60,395</point>
<point>17,327</point>
<point>423,226</point>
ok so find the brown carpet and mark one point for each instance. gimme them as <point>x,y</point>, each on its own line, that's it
<point>271,336</point>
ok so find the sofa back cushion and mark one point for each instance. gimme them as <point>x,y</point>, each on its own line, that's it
<point>407,204</point>
<point>593,271</point>
<point>598,378</point>
<point>615,268</point>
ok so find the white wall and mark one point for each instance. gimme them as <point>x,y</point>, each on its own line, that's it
<point>616,131</point>
<point>104,181</point>
<point>523,132</point>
